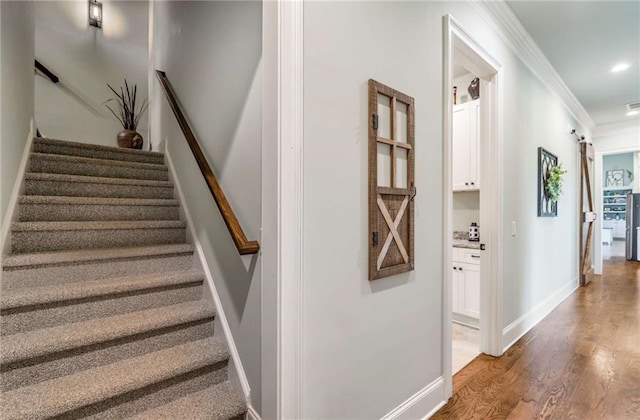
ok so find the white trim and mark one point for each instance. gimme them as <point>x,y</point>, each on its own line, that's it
<point>491,180</point>
<point>514,331</point>
<point>616,129</point>
<point>220,315</point>
<point>18,187</point>
<point>290,273</point>
<point>506,24</point>
<point>457,41</point>
<point>252,414</point>
<point>447,212</point>
<point>421,405</point>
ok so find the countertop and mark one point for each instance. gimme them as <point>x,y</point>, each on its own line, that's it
<point>463,243</point>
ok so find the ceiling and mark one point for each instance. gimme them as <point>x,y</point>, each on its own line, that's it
<point>583,40</point>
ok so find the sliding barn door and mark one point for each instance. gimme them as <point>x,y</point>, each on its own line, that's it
<point>391,181</point>
<point>587,214</point>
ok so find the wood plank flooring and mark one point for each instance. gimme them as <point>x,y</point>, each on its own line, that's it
<point>581,362</point>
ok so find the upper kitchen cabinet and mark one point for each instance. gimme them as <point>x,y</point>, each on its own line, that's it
<point>466,146</point>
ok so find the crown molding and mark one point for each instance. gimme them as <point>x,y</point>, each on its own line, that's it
<point>615,129</point>
<point>507,25</point>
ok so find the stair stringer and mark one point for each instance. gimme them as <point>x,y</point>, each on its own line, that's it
<point>17,190</point>
<point>236,373</point>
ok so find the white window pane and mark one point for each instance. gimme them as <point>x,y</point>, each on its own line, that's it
<point>384,165</point>
<point>384,116</point>
<point>401,167</point>
<point>401,122</point>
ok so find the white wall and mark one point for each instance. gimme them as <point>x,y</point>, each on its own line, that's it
<point>609,142</point>
<point>369,346</point>
<point>211,53</point>
<point>16,90</point>
<point>86,59</point>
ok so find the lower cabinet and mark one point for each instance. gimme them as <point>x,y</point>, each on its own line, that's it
<point>466,282</point>
<point>619,228</point>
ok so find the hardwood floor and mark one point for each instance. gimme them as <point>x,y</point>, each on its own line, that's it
<point>581,362</point>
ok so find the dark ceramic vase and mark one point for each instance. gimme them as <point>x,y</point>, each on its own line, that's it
<point>474,89</point>
<point>129,139</point>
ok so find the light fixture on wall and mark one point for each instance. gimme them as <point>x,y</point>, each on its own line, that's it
<point>95,13</point>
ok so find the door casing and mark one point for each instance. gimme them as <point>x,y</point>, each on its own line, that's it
<point>459,43</point>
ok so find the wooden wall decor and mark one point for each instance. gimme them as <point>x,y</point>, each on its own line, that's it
<point>391,181</point>
<point>546,161</point>
<point>587,214</point>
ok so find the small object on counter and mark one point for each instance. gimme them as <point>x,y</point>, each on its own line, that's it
<point>474,88</point>
<point>474,232</point>
<point>455,95</point>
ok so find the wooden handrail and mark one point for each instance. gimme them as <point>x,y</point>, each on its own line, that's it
<point>244,246</point>
<point>47,72</point>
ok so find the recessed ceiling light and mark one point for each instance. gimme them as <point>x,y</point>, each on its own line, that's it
<point>620,67</point>
<point>632,113</point>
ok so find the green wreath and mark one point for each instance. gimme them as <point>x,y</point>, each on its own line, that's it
<point>553,184</point>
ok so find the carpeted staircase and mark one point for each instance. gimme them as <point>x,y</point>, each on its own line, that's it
<point>102,314</point>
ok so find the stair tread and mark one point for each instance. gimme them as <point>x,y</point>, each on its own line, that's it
<point>97,225</point>
<point>90,255</point>
<point>102,201</point>
<point>60,395</point>
<point>36,343</point>
<point>123,150</point>
<point>219,402</point>
<point>94,161</point>
<point>30,296</point>
<point>46,176</point>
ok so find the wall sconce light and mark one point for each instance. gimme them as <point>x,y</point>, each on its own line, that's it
<point>95,13</point>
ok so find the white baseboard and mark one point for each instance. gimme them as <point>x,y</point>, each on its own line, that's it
<point>233,350</point>
<point>18,186</point>
<point>252,414</point>
<point>422,405</point>
<point>514,331</point>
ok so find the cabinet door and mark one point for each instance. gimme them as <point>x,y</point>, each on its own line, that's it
<point>469,289</point>
<point>619,230</point>
<point>474,145</point>
<point>455,290</point>
<point>460,149</point>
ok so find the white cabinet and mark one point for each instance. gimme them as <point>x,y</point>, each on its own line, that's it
<point>469,289</point>
<point>466,282</point>
<point>619,227</point>
<point>466,146</point>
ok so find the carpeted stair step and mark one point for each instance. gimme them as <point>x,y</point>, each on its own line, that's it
<point>63,147</point>
<point>29,237</point>
<point>31,308</point>
<point>125,387</point>
<point>219,402</point>
<point>90,186</point>
<point>61,208</point>
<point>48,353</point>
<point>60,267</point>
<point>72,165</point>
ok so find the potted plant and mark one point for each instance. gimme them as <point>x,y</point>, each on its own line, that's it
<point>553,184</point>
<point>129,116</point>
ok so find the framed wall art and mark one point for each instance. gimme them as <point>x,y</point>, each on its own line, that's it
<point>547,207</point>
<point>391,181</point>
<point>615,178</point>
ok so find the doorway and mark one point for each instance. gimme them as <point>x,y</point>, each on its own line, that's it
<point>479,194</point>
<point>617,175</point>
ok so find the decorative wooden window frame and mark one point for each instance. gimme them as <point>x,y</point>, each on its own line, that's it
<point>391,214</point>
<point>546,160</point>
